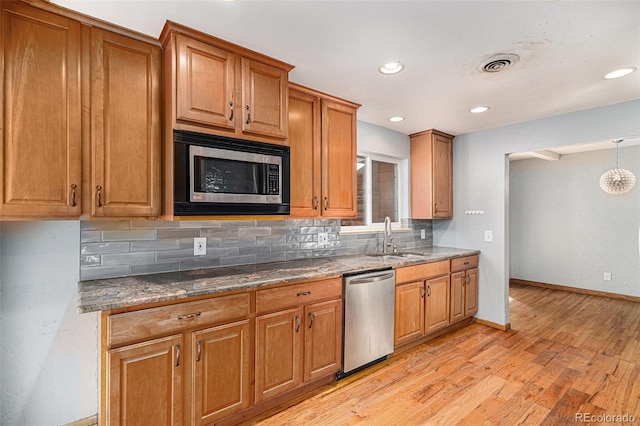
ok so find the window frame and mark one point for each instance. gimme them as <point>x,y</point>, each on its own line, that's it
<point>379,226</point>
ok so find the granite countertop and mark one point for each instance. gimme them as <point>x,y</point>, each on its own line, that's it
<point>114,293</point>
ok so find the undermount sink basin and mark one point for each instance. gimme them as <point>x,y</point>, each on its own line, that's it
<point>386,256</point>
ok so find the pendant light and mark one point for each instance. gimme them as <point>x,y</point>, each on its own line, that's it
<point>617,181</point>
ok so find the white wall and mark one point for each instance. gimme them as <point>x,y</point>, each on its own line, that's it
<point>480,176</point>
<point>49,353</point>
<point>565,230</point>
<point>374,139</point>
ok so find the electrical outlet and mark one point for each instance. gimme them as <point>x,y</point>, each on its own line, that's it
<point>199,246</point>
<point>423,234</point>
<point>488,236</point>
<point>607,276</point>
<point>323,238</point>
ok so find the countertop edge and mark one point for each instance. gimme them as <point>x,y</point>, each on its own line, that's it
<point>132,291</point>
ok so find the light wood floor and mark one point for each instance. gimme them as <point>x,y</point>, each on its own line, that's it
<point>567,353</point>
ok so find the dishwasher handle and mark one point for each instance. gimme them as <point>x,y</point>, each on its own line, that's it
<point>371,279</point>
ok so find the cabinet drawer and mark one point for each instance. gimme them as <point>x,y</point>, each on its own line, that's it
<point>147,323</point>
<point>418,272</point>
<point>297,295</point>
<point>463,263</point>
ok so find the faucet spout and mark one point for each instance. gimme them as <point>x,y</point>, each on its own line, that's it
<point>388,236</point>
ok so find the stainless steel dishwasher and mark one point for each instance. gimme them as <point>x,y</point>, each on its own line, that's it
<point>369,305</point>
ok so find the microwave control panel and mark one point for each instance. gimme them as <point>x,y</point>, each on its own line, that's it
<point>274,179</point>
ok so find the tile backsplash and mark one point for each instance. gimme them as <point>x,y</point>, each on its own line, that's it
<point>116,248</point>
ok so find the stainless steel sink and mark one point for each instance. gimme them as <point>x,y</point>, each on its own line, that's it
<point>392,256</point>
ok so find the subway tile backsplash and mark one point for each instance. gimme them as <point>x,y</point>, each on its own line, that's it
<point>116,248</point>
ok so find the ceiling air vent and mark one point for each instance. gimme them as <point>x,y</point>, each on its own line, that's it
<point>499,62</point>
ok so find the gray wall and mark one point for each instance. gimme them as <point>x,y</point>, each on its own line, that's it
<point>480,179</point>
<point>565,230</point>
<point>49,353</point>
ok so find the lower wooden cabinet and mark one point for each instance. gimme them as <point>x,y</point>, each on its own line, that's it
<point>432,296</point>
<point>203,361</point>
<point>144,383</point>
<point>221,371</point>
<point>299,344</point>
<point>464,288</point>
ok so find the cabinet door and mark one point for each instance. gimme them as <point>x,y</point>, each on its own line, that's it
<point>40,158</point>
<point>409,316</point>
<point>458,284</point>
<point>221,369</point>
<point>145,383</point>
<point>471,295</point>
<point>442,177</point>
<point>323,339</point>
<point>278,353</point>
<point>304,140</point>
<point>264,97</point>
<point>126,125</point>
<point>437,304</point>
<point>205,84</point>
<point>338,160</point>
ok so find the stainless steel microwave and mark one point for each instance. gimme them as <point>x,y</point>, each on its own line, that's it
<point>215,175</point>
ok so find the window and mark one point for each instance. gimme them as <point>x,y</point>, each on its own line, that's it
<point>378,192</point>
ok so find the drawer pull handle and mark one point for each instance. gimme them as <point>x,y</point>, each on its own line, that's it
<point>466,263</point>
<point>73,195</point>
<point>196,314</point>
<point>297,323</point>
<point>428,291</point>
<point>199,344</point>
<point>177,355</point>
<point>231,105</point>
<point>310,319</point>
<point>248,116</point>
<point>99,194</point>
<point>315,202</point>
<point>304,293</point>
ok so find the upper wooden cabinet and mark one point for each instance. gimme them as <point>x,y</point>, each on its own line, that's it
<point>81,116</point>
<point>126,130</point>
<point>40,155</point>
<point>213,86</point>
<point>431,175</point>
<point>322,136</point>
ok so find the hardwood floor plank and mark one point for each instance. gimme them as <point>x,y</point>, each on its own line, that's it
<point>566,354</point>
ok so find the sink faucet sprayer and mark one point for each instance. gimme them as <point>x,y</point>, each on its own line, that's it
<point>388,245</point>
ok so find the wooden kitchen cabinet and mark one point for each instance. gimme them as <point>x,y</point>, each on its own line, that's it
<point>81,114</point>
<point>40,145</point>
<point>322,136</point>
<point>409,318</point>
<point>187,362</point>
<point>464,287</point>
<point>145,383</point>
<point>431,175</point>
<point>299,336</point>
<point>422,301</point>
<point>126,132</point>
<point>436,303</point>
<point>221,361</point>
<point>216,87</point>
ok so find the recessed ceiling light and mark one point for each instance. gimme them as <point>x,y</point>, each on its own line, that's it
<point>396,119</point>
<point>619,73</point>
<point>478,110</point>
<point>391,68</point>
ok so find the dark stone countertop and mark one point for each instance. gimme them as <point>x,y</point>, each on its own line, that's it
<point>114,293</point>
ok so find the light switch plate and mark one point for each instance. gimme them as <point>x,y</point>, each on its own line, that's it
<point>488,236</point>
<point>423,234</point>
<point>199,246</point>
<point>323,238</point>
<point>607,276</point>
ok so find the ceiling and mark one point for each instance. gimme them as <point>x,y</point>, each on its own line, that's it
<point>556,153</point>
<point>565,49</point>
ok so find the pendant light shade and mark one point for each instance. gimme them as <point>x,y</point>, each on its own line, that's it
<point>617,181</point>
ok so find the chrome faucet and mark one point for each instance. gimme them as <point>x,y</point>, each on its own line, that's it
<point>388,245</point>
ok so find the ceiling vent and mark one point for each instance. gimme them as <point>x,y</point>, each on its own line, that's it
<point>499,62</point>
